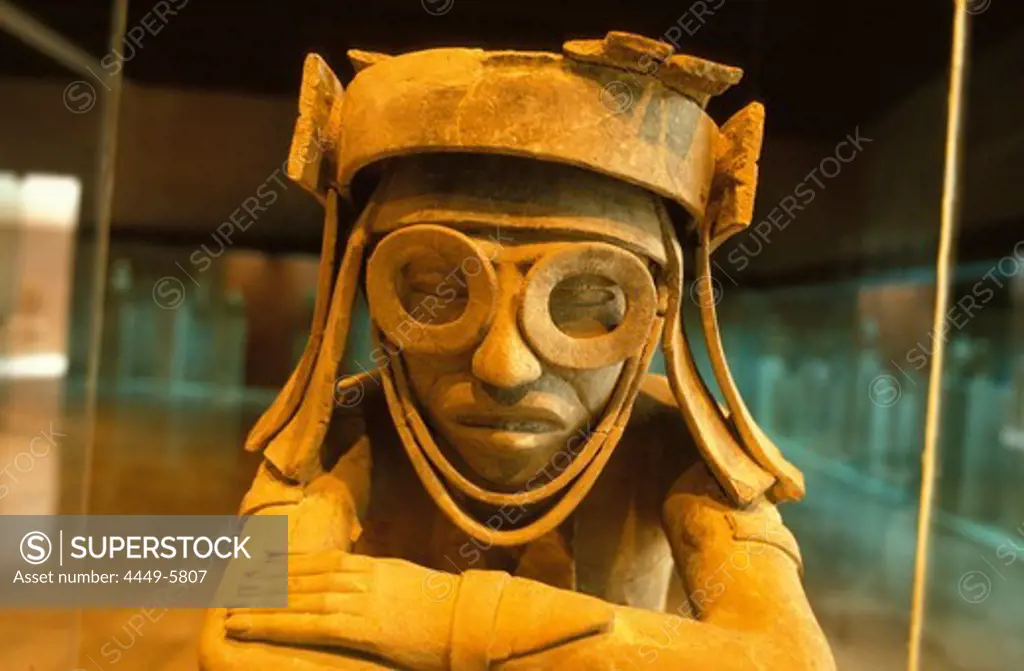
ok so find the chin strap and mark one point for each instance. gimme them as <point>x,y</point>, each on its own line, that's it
<point>575,481</point>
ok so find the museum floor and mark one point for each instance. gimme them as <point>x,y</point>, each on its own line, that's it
<point>186,459</point>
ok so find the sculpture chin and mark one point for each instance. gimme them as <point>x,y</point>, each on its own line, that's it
<point>507,455</point>
<point>512,436</point>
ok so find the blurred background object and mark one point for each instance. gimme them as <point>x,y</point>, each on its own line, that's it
<point>208,267</point>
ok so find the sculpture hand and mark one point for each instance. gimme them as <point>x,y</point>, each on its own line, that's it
<point>337,599</point>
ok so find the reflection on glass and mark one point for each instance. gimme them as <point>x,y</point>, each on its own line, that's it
<point>843,394</point>
<point>38,218</point>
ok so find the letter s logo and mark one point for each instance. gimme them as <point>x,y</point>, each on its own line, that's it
<point>36,548</point>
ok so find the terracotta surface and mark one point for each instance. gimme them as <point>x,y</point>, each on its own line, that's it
<point>510,488</point>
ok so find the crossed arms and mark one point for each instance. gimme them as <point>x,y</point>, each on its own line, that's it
<point>746,609</point>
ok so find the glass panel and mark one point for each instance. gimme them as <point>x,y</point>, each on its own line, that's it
<point>816,366</point>
<point>50,135</point>
<point>820,302</point>
<point>976,586</point>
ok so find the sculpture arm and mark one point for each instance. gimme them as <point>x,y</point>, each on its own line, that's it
<point>322,516</point>
<point>746,609</point>
<point>742,571</point>
<point>741,567</point>
<point>537,626</point>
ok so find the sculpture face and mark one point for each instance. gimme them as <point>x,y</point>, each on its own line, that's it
<point>513,337</point>
<point>503,408</point>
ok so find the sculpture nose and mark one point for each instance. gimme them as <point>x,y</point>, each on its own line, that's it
<point>504,360</point>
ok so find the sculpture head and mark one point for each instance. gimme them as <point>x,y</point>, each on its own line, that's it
<point>521,265</point>
<point>514,292</point>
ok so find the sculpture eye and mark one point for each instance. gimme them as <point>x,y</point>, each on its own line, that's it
<point>432,291</point>
<point>590,297</point>
<point>428,282</point>
<point>587,305</point>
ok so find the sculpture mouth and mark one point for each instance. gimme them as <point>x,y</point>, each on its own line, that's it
<point>527,420</point>
<point>512,426</point>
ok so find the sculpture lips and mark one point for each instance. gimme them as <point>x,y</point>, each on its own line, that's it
<point>517,420</point>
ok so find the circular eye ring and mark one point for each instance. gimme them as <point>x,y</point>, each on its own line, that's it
<point>591,258</point>
<point>393,253</point>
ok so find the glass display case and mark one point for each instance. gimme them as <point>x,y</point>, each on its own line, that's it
<point>49,253</point>
<point>158,273</point>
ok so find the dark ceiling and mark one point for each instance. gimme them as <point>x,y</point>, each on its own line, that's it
<point>820,66</point>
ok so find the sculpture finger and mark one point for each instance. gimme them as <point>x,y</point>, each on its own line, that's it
<point>320,604</point>
<point>328,583</point>
<point>334,561</point>
<point>300,628</point>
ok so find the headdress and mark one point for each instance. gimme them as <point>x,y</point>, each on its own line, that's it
<point>626,107</point>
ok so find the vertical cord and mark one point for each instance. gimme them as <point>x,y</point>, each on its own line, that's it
<point>950,210</point>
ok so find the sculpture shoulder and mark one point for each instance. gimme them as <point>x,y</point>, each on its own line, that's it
<point>656,437</point>
<point>360,434</point>
<point>656,402</point>
<point>656,415</point>
<point>361,416</point>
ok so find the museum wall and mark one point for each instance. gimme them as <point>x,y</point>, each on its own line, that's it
<point>186,159</point>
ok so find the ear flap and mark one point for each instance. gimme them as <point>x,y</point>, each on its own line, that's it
<point>310,164</point>
<point>789,485</point>
<point>295,450</point>
<point>287,401</point>
<point>363,59</point>
<point>741,478</point>
<point>731,211</point>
